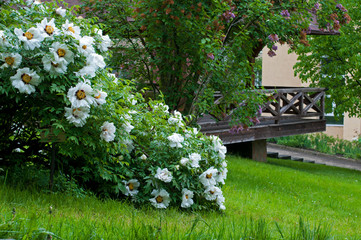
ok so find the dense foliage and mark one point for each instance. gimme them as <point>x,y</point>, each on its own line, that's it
<point>190,50</point>
<point>334,61</point>
<point>116,143</point>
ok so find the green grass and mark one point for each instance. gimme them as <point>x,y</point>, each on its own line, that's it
<point>280,199</point>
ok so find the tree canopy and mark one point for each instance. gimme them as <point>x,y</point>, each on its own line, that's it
<point>189,50</point>
<point>334,61</point>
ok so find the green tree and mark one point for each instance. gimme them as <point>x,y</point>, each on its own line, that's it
<point>189,50</point>
<point>335,61</point>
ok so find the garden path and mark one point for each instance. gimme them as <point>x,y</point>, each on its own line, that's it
<point>312,156</point>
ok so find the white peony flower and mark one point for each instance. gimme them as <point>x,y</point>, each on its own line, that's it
<point>218,146</point>
<point>220,201</point>
<point>192,132</point>
<point>60,11</point>
<point>99,97</point>
<point>184,161</point>
<point>32,38</point>
<point>48,29</point>
<point>61,52</point>
<point>187,198</point>
<point>194,159</point>
<point>161,198</point>
<point>86,45</point>
<point>208,177</point>
<point>25,80</point>
<point>175,140</point>
<point>94,61</point>
<point>161,107</point>
<point>128,127</point>
<point>143,157</point>
<point>221,175</point>
<point>81,95</point>
<point>105,41</point>
<point>131,187</point>
<point>212,192</point>
<point>176,120</point>
<point>87,71</point>
<point>164,175</point>
<point>70,29</point>
<point>53,66</point>
<point>77,116</point>
<point>108,132</point>
<point>3,41</point>
<point>12,60</point>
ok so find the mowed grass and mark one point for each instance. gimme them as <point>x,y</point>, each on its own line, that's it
<point>263,200</point>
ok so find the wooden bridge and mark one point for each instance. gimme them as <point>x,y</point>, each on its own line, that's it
<point>289,111</point>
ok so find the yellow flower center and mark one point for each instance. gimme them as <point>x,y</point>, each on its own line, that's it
<point>80,94</point>
<point>84,47</point>
<point>211,192</point>
<point>28,35</point>
<point>26,78</point>
<point>55,64</point>
<point>131,186</point>
<point>97,97</point>
<point>49,29</point>
<point>74,110</point>
<point>61,52</point>
<point>71,29</point>
<point>10,60</point>
<point>159,199</point>
<point>187,196</point>
<point>209,175</point>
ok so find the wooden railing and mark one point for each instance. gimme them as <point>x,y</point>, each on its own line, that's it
<point>285,104</point>
<point>293,103</point>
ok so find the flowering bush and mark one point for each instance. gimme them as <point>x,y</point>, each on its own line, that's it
<point>116,142</point>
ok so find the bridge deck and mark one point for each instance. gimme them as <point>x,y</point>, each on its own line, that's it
<point>290,111</point>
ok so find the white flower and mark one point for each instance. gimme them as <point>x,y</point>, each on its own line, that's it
<point>107,132</point>
<point>25,80</point>
<point>105,41</point>
<point>53,66</point>
<point>218,146</point>
<point>212,192</point>
<point>175,140</point>
<point>131,187</point>
<point>77,116</point>
<point>189,133</point>
<point>161,107</point>
<point>99,97</point>
<point>207,178</point>
<point>48,29</point>
<point>70,29</point>
<point>129,144</point>
<point>132,100</point>
<point>86,45</point>
<point>164,175</point>
<point>32,38</point>
<point>177,119</point>
<point>143,157</point>
<point>60,11</point>
<point>220,200</point>
<point>61,52</point>
<point>81,95</point>
<point>161,198</point>
<point>187,198</point>
<point>12,60</point>
<point>184,161</point>
<point>96,59</point>
<point>128,127</point>
<point>221,175</point>
<point>3,41</point>
<point>194,159</point>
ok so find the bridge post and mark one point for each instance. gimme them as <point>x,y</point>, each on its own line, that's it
<point>255,150</point>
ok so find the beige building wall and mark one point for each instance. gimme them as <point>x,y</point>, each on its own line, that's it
<point>278,71</point>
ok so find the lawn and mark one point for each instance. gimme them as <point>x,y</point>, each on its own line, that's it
<point>280,199</point>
